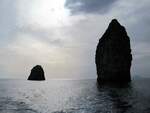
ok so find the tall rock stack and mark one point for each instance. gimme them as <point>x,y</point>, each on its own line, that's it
<point>113,55</point>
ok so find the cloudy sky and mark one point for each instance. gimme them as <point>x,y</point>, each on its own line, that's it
<point>61,35</point>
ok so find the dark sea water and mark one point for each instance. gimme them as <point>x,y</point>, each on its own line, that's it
<point>73,96</point>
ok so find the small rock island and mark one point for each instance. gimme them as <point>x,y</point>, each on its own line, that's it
<point>113,55</point>
<point>37,73</point>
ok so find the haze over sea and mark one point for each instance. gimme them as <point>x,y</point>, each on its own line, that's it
<point>73,96</point>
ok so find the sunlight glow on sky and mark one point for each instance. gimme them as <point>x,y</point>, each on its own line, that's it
<point>61,35</point>
<point>43,13</point>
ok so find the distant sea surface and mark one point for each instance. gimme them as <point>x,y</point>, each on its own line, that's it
<point>73,96</point>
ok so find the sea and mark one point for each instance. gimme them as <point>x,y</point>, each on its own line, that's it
<point>74,96</point>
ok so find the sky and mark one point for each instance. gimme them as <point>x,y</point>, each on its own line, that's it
<point>62,35</point>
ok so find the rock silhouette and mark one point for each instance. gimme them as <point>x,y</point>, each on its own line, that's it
<point>37,73</point>
<point>113,55</point>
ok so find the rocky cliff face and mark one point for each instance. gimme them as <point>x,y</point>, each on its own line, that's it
<point>113,55</point>
<point>37,73</point>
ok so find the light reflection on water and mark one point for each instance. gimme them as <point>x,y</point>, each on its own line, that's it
<point>73,96</point>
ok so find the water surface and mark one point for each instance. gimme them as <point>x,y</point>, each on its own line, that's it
<point>73,96</point>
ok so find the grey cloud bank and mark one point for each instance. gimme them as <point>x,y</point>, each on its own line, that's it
<point>89,6</point>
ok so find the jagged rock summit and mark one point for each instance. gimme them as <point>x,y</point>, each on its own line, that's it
<point>37,73</point>
<point>113,55</point>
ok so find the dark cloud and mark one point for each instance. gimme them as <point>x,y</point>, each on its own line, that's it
<point>89,6</point>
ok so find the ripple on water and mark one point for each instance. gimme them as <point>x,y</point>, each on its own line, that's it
<point>8,105</point>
